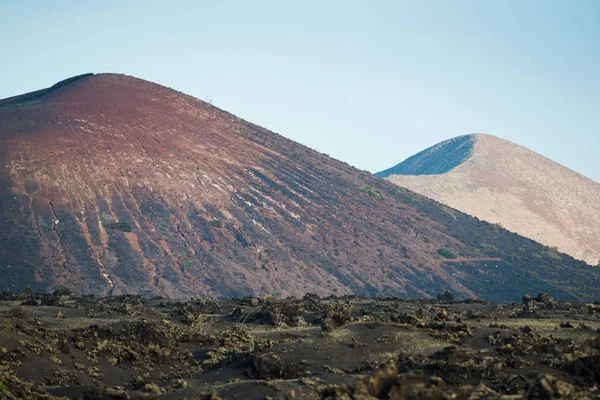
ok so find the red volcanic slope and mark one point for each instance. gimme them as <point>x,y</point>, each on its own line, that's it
<point>110,184</point>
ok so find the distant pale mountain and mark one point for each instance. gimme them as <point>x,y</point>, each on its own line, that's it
<point>501,182</point>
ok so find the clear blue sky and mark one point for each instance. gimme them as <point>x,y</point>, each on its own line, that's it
<point>369,82</point>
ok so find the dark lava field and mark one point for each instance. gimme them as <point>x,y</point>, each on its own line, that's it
<point>127,347</point>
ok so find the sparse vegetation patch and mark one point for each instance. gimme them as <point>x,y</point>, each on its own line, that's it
<point>215,223</point>
<point>19,312</point>
<point>371,192</point>
<point>497,227</point>
<point>553,253</point>
<point>120,226</point>
<point>447,253</point>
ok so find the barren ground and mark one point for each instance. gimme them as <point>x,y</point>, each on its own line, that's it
<point>57,345</point>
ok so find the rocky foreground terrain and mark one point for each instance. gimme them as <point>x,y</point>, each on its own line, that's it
<point>61,346</point>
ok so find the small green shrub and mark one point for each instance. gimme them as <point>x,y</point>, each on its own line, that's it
<point>121,226</point>
<point>188,264</point>
<point>489,247</point>
<point>449,212</point>
<point>553,253</point>
<point>416,199</point>
<point>475,249</point>
<point>373,193</point>
<point>4,390</point>
<point>446,253</point>
<point>497,227</point>
<point>216,223</point>
<point>19,312</point>
<point>537,257</point>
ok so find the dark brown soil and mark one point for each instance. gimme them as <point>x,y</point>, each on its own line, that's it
<point>59,345</point>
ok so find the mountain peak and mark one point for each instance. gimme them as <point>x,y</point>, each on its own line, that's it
<point>110,184</point>
<point>440,158</point>
<point>112,87</point>
<point>499,181</point>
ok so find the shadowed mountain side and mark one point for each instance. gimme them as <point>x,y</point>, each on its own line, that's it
<point>438,159</point>
<point>110,184</point>
<point>504,183</point>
